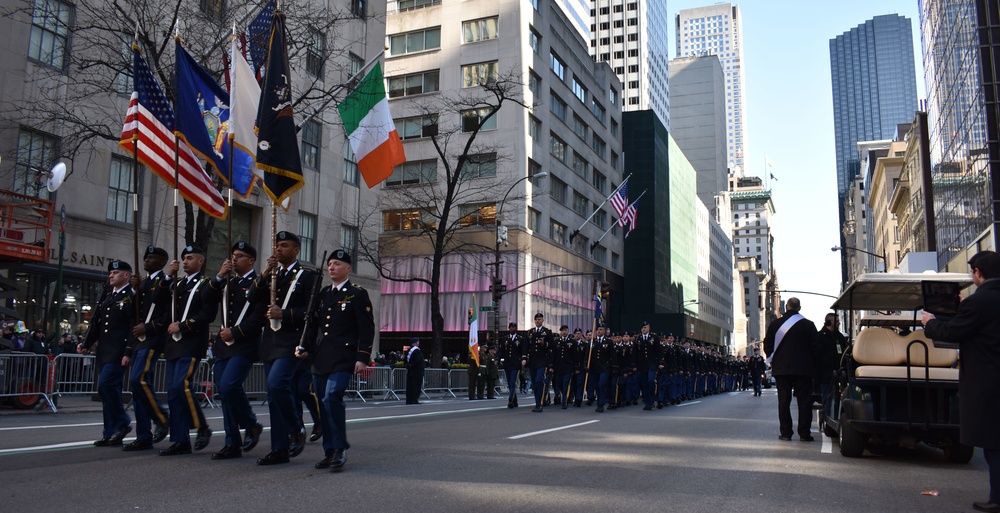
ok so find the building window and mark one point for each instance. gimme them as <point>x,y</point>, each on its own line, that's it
<point>599,181</point>
<point>557,232</point>
<point>579,165</point>
<point>120,189</point>
<point>557,148</point>
<point>614,128</point>
<point>557,190</point>
<point>416,41</point>
<point>36,154</point>
<point>579,91</point>
<point>600,254</point>
<point>600,219</point>
<point>312,133</point>
<point>557,106</point>
<point>417,83</point>
<point>614,260</point>
<point>349,241</point>
<point>355,64</point>
<point>482,214</point>
<point>534,82</point>
<point>214,9</point>
<point>598,145</point>
<point>479,74</point>
<point>580,204</point>
<point>316,53</point>
<point>417,127</point>
<point>534,41</point>
<point>534,168</point>
<point>581,244</point>
<point>612,95</point>
<point>403,220</point>
<point>534,128</point>
<point>476,119</point>
<point>411,173</point>
<point>409,5</point>
<point>557,65</point>
<point>614,160</point>
<point>48,42</point>
<point>359,8</point>
<point>479,30</point>
<point>534,218</point>
<point>579,127</point>
<point>598,110</point>
<point>307,234</point>
<point>350,165</point>
<point>480,166</point>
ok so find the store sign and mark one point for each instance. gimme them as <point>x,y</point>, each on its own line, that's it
<point>80,259</point>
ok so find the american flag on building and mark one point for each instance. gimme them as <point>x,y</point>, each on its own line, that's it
<point>628,219</point>
<point>619,202</point>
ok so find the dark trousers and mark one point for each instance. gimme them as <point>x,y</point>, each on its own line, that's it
<point>330,389</point>
<point>802,388</point>
<point>602,382</point>
<point>414,382</point>
<point>539,384</point>
<point>647,382</point>
<point>512,377</point>
<point>109,387</point>
<point>756,384</point>
<point>480,387</point>
<point>579,382</point>
<point>185,412</point>
<point>147,406</point>
<point>474,383</point>
<point>491,387</point>
<point>281,401</point>
<point>303,395</point>
<point>236,411</point>
<point>993,462</point>
<point>560,382</point>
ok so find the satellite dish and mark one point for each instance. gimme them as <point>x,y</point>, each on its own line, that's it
<point>56,177</point>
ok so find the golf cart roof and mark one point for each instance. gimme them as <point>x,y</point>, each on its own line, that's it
<point>892,291</point>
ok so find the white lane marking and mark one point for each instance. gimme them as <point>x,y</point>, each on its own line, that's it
<point>88,424</point>
<point>66,445</point>
<point>688,403</point>
<point>827,443</point>
<point>542,432</point>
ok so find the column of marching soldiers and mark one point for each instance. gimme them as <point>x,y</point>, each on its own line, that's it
<point>618,370</point>
<point>306,337</point>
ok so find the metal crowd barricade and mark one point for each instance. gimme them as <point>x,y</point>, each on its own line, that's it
<point>397,382</point>
<point>255,385</point>
<point>75,374</point>
<point>26,379</point>
<point>202,381</point>
<point>458,379</point>
<point>372,380</point>
<point>436,380</point>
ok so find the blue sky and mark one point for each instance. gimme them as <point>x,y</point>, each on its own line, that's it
<point>789,119</point>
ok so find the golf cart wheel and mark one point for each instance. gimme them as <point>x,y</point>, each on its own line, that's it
<point>852,441</point>
<point>958,453</point>
<point>829,431</point>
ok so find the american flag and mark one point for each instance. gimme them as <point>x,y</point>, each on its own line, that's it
<point>258,37</point>
<point>629,217</point>
<point>150,121</point>
<point>619,202</point>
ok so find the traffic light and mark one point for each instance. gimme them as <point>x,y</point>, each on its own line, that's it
<point>605,289</point>
<point>497,288</point>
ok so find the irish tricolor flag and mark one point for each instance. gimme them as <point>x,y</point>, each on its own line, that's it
<point>370,128</point>
<point>474,333</point>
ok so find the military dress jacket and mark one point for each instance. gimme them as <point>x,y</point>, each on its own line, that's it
<point>154,307</point>
<point>111,326</point>
<point>511,351</point>
<point>342,329</point>
<point>244,314</point>
<point>301,281</point>
<point>194,319</point>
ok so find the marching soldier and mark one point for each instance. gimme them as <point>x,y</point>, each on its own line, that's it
<point>235,348</point>
<point>282,333</point>
<point>186,346</point>
<point>147,342</point>
<point>648,356</point>
<point>109,328</point>
<point>539,360</point>
<point>341,339</point>
<point>601,359</point>
<point>511,352</point>
<point>581,352</point>
<point>757,367</point>
<point>492,371</point>
<point>563,365</point>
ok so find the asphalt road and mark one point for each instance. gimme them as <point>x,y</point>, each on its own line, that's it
<point>719,453</point>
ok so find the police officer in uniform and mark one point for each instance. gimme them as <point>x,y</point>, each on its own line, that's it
<point>283,328</point>
<point>148,338</point>
<point>110,327</point>
<point>562,365</point>
<point>539,360</point>
<point>511,352</point>
<point>346,331</point>
<point>186,346</point>
<point>235,348</point>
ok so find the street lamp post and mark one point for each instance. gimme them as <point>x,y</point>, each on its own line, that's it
<point>497,287</point>
<point>885,263</point>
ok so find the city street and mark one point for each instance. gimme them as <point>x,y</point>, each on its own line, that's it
<point>719,453</point>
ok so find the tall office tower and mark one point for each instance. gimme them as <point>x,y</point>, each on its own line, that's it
<point>718,30</point>
<point>631,36</point>
<point>874,89</point>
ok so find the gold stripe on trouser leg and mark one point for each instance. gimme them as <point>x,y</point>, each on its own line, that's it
<point>195,417</point>
<point>154,406</point>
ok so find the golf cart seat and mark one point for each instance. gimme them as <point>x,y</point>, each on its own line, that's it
<point>882,353</point>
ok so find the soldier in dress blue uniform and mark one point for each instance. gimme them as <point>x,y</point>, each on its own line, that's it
<point>562,365</point>
<point>601,360</point>
<point>539,360</point>
<point>581,352</point>
<point>341,337</point>
<point>511,352</point>
<point>148,338</point>
<point>186,346</point>
<point>282,334</point>
<point>110,326</point>
<point>648,355</point>
<point>235,347</point>
<point>757,367</point>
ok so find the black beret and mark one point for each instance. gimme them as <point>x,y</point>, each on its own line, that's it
<point>246,248</point>
<point>512,325</point>
<point>341,255</point>
<point>563,327</point>
<point>153,250</point>
<point>283,235</point>
<point>645,324</point>
<point>192,250</point>
<point>118,265</point>
<point>578,330</point>
<point>539,315</point>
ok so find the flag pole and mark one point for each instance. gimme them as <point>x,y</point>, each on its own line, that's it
<point>333,94</point>
<point>606,232</point>
<point>135,217</point>
<point>593,335</point>
<point>229,234</point>
<point>596,209</point>
<point>275,323</point>
<point>177,165</point>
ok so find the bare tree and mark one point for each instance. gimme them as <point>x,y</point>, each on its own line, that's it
<point>84,101</point>
<point>467,177</point>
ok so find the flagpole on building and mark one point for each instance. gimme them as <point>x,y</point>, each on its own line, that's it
<point>577,231</point>
<point>598,241</point>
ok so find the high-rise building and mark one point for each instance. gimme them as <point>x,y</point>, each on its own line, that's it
<point>963,131</point>
<point>753,243</point>
<point>718,30</point>
<point>445,62</point>
<point>699,121</point>
<point>631,36</point>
